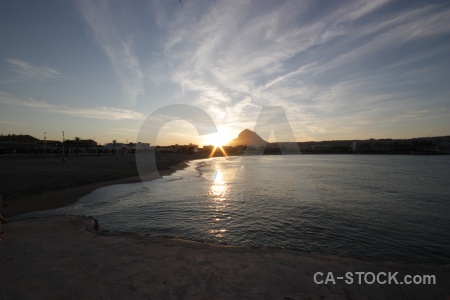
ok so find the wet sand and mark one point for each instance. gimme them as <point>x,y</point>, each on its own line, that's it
<point>64,257</point>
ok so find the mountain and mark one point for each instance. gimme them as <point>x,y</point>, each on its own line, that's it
<point>249,138</point>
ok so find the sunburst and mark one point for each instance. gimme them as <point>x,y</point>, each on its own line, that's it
<point>215,149</point>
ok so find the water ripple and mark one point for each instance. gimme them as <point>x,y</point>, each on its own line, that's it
<point>372,207</point>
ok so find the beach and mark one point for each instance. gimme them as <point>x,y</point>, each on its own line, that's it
<point>65,257</point>
<point>36,183</point>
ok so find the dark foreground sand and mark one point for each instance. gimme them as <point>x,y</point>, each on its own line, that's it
<point>64,258</point>
<point>31,184</point>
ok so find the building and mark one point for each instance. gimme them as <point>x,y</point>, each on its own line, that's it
<point>13,144</point>
<point>373,146</point>
<point>18,144</point>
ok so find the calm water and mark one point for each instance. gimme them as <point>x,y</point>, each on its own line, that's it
<point>365,206</point>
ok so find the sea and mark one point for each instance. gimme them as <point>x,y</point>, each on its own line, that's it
<point>374,207</point>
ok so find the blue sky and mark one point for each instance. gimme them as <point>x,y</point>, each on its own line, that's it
<point>340,69</point>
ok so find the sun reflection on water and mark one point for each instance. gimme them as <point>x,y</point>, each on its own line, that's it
<point>219,233</point>
<point>218,193</point>
<point>219,189</point>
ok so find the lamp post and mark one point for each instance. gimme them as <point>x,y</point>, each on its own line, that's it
<point>64,157</point>
<point>45,152</point>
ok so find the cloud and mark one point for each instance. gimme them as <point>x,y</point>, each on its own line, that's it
<point>347,61</point>
<point>101,112</point>
<point>117,43</point>
<point>29,71</point>
<point>389,33</point>
<point>11,122</point>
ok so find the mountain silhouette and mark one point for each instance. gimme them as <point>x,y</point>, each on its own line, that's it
<point>248,138</point>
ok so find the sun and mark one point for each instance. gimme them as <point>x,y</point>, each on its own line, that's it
<point>218,140</point>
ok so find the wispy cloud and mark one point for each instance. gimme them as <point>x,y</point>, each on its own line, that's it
<point>318,62</point>
<point>29,71</point>
<point>118,44</point>
<point>11,122</point>
<point>102,112</point>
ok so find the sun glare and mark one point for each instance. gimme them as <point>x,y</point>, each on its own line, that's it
<point>216,149</point>
<point>219,140</point>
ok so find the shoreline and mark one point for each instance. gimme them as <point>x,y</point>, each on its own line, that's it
<point>86,263</point>
<point>45,198</point>
<point>39,184</point>
<point>69,196</point>
<point>75,194</point>
<point>66,252</point>
<point>60,198</point>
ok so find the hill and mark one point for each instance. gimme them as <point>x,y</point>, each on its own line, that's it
<point>249,138</point>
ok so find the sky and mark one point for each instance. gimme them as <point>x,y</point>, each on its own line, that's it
<point>339,69</point>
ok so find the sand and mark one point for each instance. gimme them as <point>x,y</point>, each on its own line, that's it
<point>63,257</point>
<point>31,184</point>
